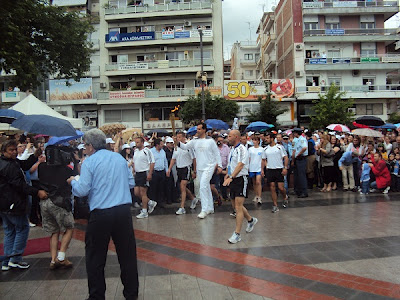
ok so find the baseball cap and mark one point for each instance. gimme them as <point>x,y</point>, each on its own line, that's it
<point>146,144</point>
<point>125,146</point>
<point>109,141</point>
<point>169,140</point>
<point>132,144</point>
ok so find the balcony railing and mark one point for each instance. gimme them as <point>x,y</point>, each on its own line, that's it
<point>351,88</point>
<point>387,58</point>
<point>12,97</point>
<point>168,6</point>
<point>148,93</point>
<point>158,64</point>
<point>249,61</point>
<point>349,4</point>
<point>351,31</point>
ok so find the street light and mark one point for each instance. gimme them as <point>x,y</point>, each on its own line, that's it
<point>203,110</point>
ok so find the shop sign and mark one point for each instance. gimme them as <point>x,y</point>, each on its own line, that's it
<point>127,94</point>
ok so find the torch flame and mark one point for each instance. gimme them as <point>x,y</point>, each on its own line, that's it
<point>175,109</point>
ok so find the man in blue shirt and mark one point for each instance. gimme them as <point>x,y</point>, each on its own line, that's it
<point>106,179</point>
<point>311,159</point>
<point>299,159</point>
<point>346,166</point>
<point>157,183</point>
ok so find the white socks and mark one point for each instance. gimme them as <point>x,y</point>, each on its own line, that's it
<point>61,256</point>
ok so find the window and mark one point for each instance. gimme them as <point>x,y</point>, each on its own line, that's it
<point>369,109</point>
<point>206,54</point>
<point>312,81</point>
<point>126,115</point>
<point>146,57</point>
<point>175,56</point>
<point>248,56</point>
<point>174,85</point>
<point>248,73</point>
<point>368,52</point>
<point>370,83</point>
<point>332,25</point>
<point>147,84</point>
<point>367,25</point>
<point>333,53</point>
<point>152,114</point>
<point>311,25</point>
<point>257,56</point>
<point>336,81</point>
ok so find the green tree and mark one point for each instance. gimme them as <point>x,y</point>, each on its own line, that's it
<point>268,112</point>
<point>38,39</point>
<point>216,107</point>
<point>331,109</point>
<point>394,118</point>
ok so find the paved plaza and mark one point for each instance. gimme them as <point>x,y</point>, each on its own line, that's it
<point>330,245</point>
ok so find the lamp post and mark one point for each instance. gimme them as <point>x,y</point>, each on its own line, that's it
<point>203,110</point>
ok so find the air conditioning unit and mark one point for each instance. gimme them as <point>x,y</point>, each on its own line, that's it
<point>299,74</point>
<point>103,85</point>
<point>352,109</point>
<point>163,48</point>
<point>356,72</point>
<point>299,47</point>
<point>187,23</point>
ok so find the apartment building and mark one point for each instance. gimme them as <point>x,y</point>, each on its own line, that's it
<point>266,65</point>
<point>244,57</point>
<point>341,42</point>
<point>147,55</point>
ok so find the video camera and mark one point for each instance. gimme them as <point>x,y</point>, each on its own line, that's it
<point>59,156</point>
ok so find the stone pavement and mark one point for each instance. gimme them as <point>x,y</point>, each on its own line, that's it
<point>330,245</point>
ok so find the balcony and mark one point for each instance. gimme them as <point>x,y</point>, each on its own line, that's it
<point>378,62</point>
<point>269,43</point>
<point>355,91</point>
<point>115,12</point>
<point>351,35</point>
<point>12,97</point>
<point>158,66</point>
<point>118,40</point>
<point>248,62</point>
<point>388,8</point>
<point>227,75</point>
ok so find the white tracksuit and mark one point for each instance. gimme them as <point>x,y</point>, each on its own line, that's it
<point>207,157</point>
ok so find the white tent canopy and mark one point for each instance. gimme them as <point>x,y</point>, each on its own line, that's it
<point>33,106</point>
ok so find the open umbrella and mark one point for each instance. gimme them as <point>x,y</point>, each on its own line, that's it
<point>386,126</point>
<point>370,121</point>
<point>217,124</point>
<point>193,130</point>
<point>44,124</point>
<point>9,115</point>
<point>160,132</point>
<point>355,124</point>
<point>367,132</point>
<point>258,125</point>
<point>338,127</point>
<point>54,140</point>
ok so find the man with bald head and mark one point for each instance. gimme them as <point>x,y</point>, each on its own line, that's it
<point>236,179</point>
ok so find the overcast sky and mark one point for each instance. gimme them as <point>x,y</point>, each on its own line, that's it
<point>237,13</point>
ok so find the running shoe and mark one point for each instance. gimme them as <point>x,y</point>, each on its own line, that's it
<point>275,209</point>
<point>255,199</point>
<point>151,205</point>
<point>209,212</point>
<point>181,211</point>
<point>250,225</point>
<point>202,215</point>
<point>143,214</point>
<point>285,202</point>
<point>385,191</point>
<point>259,200</point>
<point>194,203</point>
<point>233,214</point>
<point>5,268</point>
<point>235,238</point>
<point>20,265</point>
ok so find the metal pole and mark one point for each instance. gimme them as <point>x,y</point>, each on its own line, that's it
<point>203,110</point>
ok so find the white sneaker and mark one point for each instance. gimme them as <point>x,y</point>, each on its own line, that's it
<point>202,215</point>
<point>255,199</point>
<point>31,224</point>
<point>194,203</point>
<point>234,238</point>
<point>386,190</point>
<point>209,212</point>
<point>181,211</point>
<point>142,215</point>
<point>151,205</point>
<point>5,268</point>
<point>250,225</point>
<point>259,200</point>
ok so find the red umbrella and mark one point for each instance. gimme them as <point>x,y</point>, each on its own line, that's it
<point>41,135</point>
<point>360,125</point>
<point>338,127</point>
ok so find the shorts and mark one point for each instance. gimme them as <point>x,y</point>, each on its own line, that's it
<point>141,179</point>
<point>274,175</point>
<point>183,173</point>
<point>238,187</point>
<point>54,218</point>
<point>254,174</point>
<point>215,178</point>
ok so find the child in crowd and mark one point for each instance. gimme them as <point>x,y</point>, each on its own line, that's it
<point>396,173</point>
<point>391,165</point>
<point>364,180</point>
<point>382,150</point>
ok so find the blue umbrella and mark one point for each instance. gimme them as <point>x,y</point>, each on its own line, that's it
<point>44,124</point>
<point>257,126</point>
<point>54,140</point>
<point>386,126</point>
<point>9,115</point>
<point>193,130</point>
<point>217,124</point>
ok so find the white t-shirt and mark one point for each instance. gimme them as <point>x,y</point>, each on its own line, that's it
<point>184,158</point>
<point>142,159</point>
<point>255,155</point>
<point>238,154</point>
<point>274,156</point>
<point>205,151</point>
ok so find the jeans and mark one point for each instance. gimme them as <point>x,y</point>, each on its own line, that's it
<point>103,224</point>
<point>16,232</point>
<point>300,176</point>
<point>365,187</point>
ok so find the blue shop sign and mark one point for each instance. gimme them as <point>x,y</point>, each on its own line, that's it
<point>317,60</point>
<point>341,60</point>
<point>338,31</point>
<point>182,34</point>
<point>113,37</point>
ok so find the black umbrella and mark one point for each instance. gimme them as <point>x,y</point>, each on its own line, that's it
<point>44,124</point>
<point>160,132</point>
<point>9,115</point>
<point>370,121</point>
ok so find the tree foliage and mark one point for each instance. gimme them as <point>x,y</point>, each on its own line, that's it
<point>216,107</point>
<point>331,109</point>
<point>38,39</point>
<point>268,111</point>
<point>394,118</point>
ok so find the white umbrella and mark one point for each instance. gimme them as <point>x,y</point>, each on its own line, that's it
<point>367,132</point>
